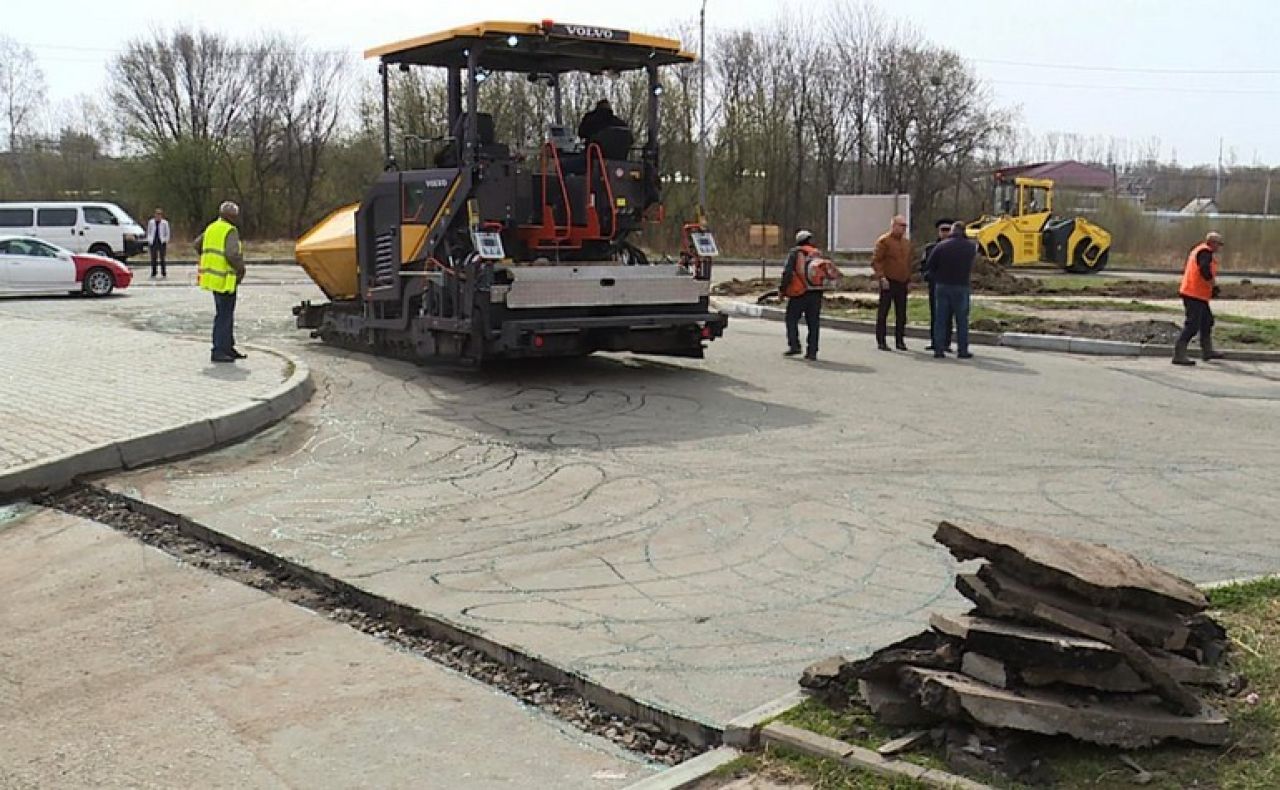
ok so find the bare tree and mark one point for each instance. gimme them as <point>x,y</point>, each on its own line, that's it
<point>180,100</point>
<point>22,89</point>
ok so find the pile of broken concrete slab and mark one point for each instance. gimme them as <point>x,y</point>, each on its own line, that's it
<point>1065,639</point>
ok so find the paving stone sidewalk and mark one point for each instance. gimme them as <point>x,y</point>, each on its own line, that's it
<point>70,386</point>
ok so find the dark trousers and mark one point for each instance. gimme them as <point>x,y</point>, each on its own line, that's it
<point>933,317</point>
<point>809,306</point>
<point>157,256</point>
<point>224,320</point>
<point>953,304</point>
<point>895,294</point>
<point>1199,321</point>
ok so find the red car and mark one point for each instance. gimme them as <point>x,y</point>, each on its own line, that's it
<point>29,266</point>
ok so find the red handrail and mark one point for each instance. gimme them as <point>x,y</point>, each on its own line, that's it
<point>604,174</point>
<point>564,191</point>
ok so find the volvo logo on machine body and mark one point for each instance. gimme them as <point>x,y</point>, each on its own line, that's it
<point>587,31</point>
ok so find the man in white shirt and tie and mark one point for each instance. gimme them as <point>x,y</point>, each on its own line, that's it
<point>158,240</point>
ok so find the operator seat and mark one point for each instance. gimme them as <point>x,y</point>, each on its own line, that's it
<point>488,149</point>
<point>615,141</point>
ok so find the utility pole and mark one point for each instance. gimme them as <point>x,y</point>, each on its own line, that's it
<point>702,112</point>
<point>1217,189</point>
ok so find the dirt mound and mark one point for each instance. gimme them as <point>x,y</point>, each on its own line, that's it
<point>993,279</point>
<point>1148,331</point>
<point>848,303</point>
<point>736,287</point>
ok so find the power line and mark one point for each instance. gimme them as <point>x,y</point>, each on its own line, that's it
<point>1124,69</point>
<point>1139,88</point>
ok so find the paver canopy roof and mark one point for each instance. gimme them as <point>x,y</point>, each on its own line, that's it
<point>532,47</point>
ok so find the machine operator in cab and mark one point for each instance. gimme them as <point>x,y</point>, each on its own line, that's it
<point>597,120</point>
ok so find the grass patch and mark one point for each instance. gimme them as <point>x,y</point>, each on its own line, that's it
<point>853,725</point>
<point>1250,760</point>
<point>1242,331</point>
<point>1131,306</point>
<point>918,312</point>
<point>787,766</point>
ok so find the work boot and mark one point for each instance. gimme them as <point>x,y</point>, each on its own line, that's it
<point>1207,351</point>
<point>791,352</point>
<point>900,345</point>
<point>1180,355</point>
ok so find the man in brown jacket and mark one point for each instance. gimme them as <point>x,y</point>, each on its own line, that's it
<point>891,264</point>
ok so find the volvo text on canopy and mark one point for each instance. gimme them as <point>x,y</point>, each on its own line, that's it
<point>470,247</point>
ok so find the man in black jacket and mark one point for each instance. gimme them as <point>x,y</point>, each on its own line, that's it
<point>951,264</point>
<point>943,227</point>
<point>596,120</point>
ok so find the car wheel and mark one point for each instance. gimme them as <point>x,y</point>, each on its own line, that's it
<point>99,282</point>
<point>102,249</point>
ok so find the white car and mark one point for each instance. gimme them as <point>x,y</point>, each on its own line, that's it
<point>31,266</point>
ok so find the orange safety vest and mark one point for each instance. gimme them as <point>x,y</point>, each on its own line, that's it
<point>1193,284</point>
<point>805,277</point>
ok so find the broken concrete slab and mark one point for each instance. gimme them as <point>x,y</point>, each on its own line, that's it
<point>1162,630</point>
<point>1097,648</point>
<point>891,706</point>
<point>1129,724</point>
<point>903,743</point>
<point>1119,679</point>
<point>1025,645</point>
<point>822,674</point>
<point>925,649</point>
<point>1092,571</point>
<point>986,669</point>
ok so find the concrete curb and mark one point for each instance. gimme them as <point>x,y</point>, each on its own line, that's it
<point>861,759</point>
<point>689,772</point>
<point>169,442</point>
<point>1065,344</point>
<point>743,732</point>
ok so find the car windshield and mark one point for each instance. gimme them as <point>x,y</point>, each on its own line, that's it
<point>123,216</point>
<point>29,247</point>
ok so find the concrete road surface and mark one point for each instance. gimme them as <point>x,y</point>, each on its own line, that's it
<point>120,667</point>
<point>695,532</point>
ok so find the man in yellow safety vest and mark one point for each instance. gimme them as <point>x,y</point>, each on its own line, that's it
<point>221,271</point>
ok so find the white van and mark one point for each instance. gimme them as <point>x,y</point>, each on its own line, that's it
<point>100,228</point>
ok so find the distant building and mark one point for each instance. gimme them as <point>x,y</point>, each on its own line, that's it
<point>1200,205</point>
<point>1066,174</point>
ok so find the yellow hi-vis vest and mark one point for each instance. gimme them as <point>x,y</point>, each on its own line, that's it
<point>215,270</point>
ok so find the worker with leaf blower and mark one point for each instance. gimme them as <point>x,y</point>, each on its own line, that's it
<point>805,275</point>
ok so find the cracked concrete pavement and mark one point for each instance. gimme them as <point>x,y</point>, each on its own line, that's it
<point>694,532</point>
<point>122,667</point>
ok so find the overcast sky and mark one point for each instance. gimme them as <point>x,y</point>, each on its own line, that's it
<point>1184,71</point>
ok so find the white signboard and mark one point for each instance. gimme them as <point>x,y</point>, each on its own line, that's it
<point>854,222</point>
